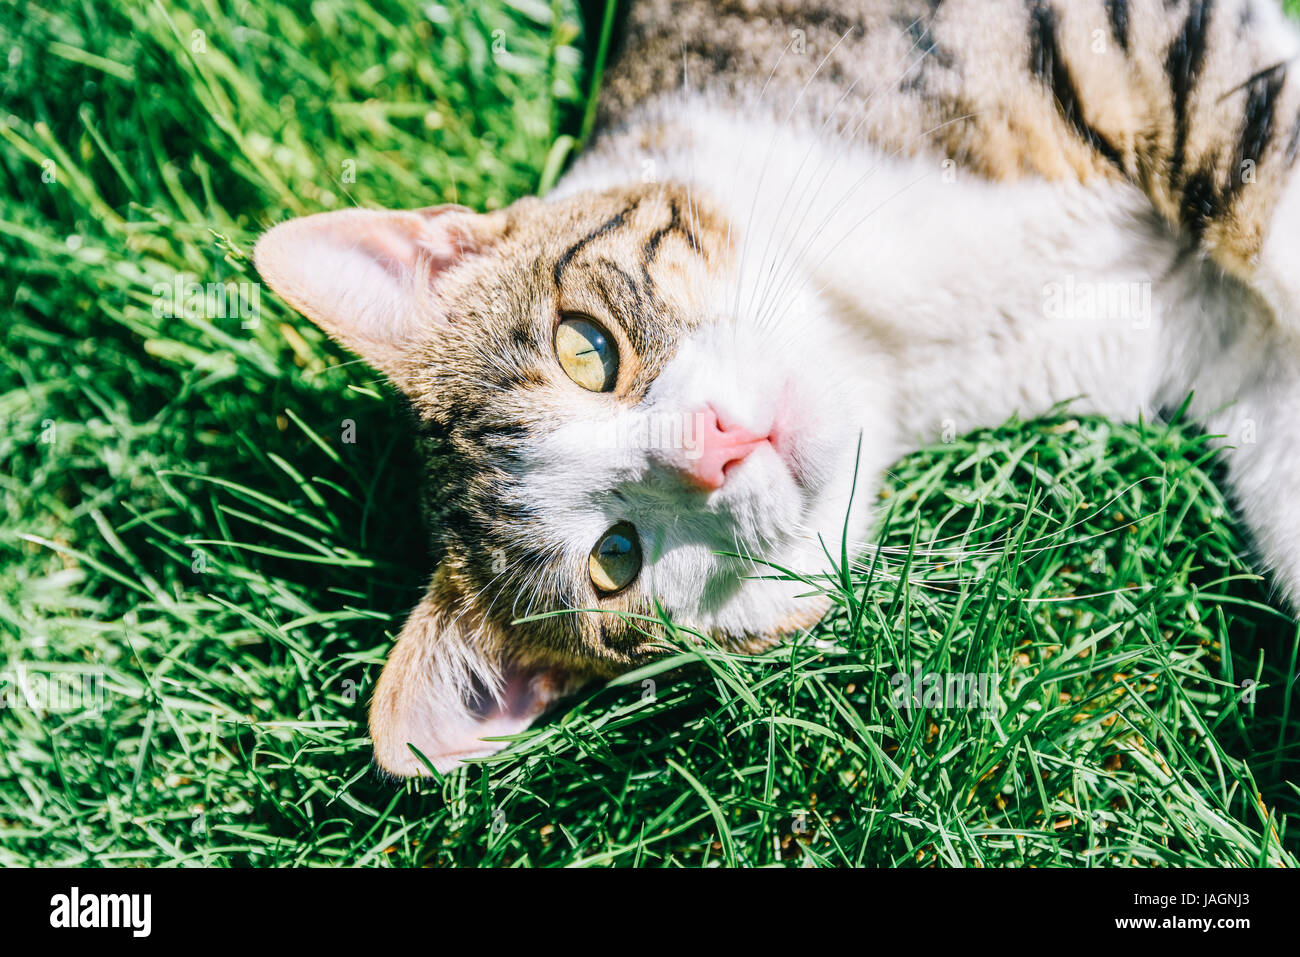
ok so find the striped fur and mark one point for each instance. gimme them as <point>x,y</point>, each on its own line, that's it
<point>1191,100</point>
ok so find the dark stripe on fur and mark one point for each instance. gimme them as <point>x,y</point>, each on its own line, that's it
<point>634,294</point>
<point>626,312</point>
<point>1258,123</point>
<point>651,248</point>
<point>1183,67</point>
<point>522,338</point>
<point>1201,202</point>
<point>1048,64</point>
<point>612,223</point>
<point>1117,11</point>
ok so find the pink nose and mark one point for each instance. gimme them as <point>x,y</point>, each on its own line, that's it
<point>717,447</point>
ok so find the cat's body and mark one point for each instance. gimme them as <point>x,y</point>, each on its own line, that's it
<point>820,238</point>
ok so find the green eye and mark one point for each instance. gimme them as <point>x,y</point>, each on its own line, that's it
<point>587,353</point>
<point>615,560</point>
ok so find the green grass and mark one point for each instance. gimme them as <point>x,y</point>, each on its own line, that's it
<point>183,523</point>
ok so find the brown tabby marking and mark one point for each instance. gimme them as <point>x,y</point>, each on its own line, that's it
<point>1186,99</point>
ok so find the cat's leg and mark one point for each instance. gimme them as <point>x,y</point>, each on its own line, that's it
<point>1238,369</point>
<point>1262,430</point>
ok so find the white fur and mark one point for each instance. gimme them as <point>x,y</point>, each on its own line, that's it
<point>904,299</point>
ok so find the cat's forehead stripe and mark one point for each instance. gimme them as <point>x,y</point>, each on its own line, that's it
<point>612,223</point>
<point>650,250</point>
<point>675,224</point>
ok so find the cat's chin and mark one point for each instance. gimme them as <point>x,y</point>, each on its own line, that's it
<point>810,611</point>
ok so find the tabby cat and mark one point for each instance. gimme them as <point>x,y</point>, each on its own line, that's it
<point>806,239</point>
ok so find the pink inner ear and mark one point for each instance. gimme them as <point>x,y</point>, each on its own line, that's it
<point>522,696</point>
<point>400,244</point>
<point>525,694</point>
<point>395,252</point>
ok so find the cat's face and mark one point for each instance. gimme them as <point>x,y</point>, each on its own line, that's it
<point>624,416</point>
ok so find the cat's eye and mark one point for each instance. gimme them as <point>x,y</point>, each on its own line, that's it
<point>587,353</point>
<point>615,560</point>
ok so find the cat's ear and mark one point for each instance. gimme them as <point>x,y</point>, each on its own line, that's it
<point>372,278</point>
<point>446,686</point>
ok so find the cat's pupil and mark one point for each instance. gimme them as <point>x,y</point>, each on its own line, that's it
<point>615,546</point>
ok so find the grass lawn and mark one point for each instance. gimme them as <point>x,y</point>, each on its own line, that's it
<point>189,538</point>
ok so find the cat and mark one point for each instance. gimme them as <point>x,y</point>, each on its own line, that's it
<point>804,240</point>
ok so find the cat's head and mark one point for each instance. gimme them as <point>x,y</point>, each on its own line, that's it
<point>621,411</point>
